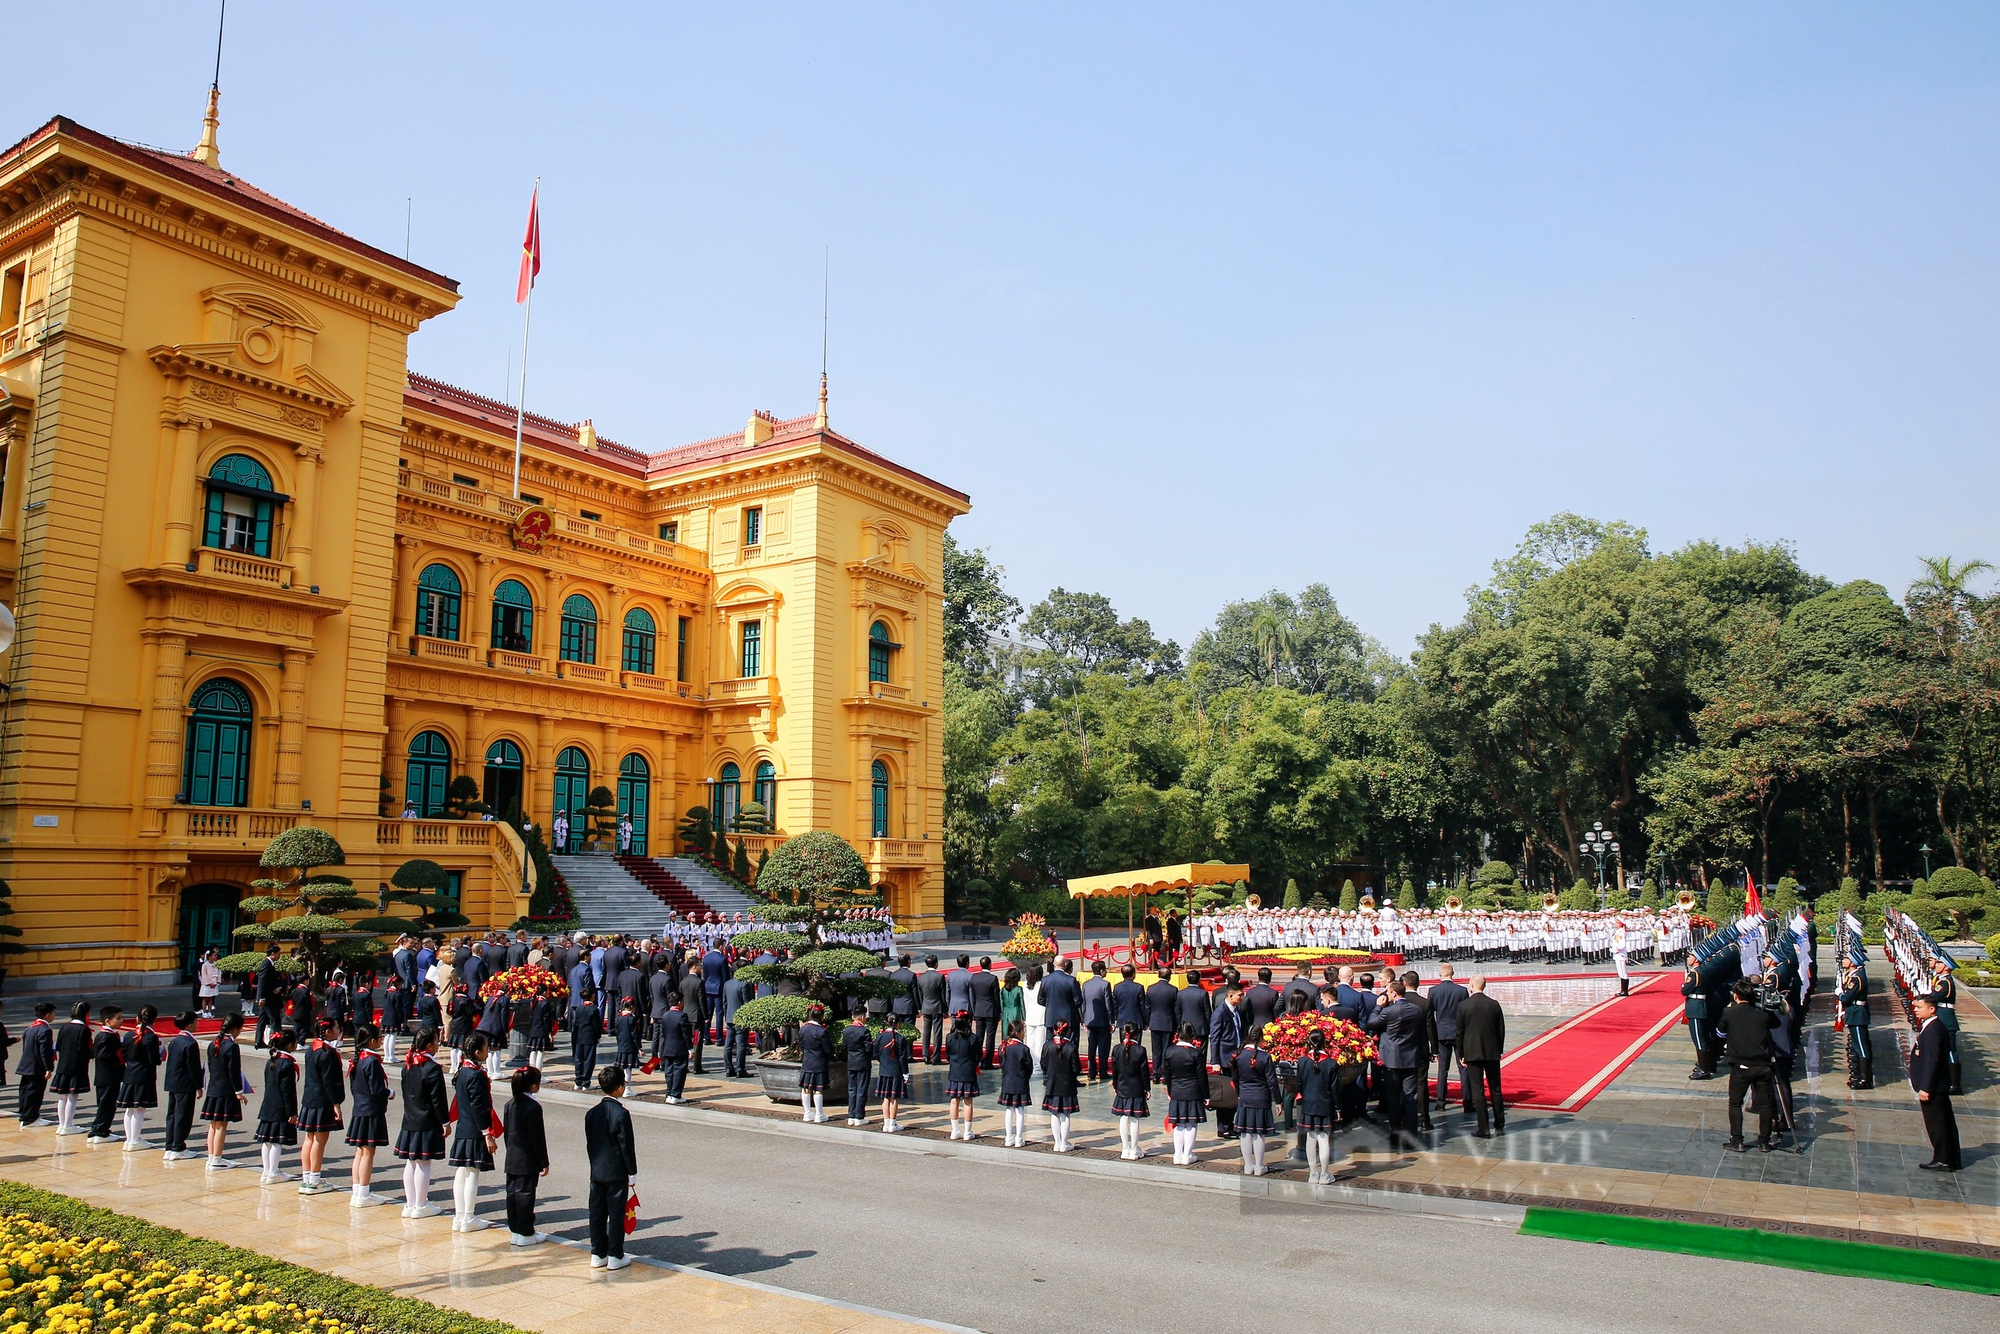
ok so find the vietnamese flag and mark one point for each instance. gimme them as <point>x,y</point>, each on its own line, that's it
<point>531,248</point>
<point>1753,902</point>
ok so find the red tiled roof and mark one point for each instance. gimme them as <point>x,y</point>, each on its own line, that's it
<point>226,185</point>
<point>548,433</point>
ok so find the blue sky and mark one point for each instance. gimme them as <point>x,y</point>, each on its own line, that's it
<point>1193,302</point>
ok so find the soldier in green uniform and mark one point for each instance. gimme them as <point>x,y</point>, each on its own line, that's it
<point>1854,1016</point>
<point>1701,1026</point>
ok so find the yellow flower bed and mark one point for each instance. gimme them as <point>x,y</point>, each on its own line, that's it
<point>52,1283</point>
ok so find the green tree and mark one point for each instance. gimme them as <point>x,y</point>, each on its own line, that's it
<point>739,865</point>
<point>462,798</point>
<point>1725,902</point>
<point>752,818</point>
<point>697,830</point>
<point>305,896</point>
<point>1350,898</point>
<point>978,610</point>
<point>1075,636</point>
<point>1966,897</point>
<point>1579,897</point>
<point>423,885</point>
<point>816,868</point>
<point>601,813</point>
<point>1304,645</point>
<point>1293,898</point>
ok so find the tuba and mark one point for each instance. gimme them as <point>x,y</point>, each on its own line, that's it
<point>1253,903</point>
<point>1551,901</point>
<point>1454,904</point>
<point>1684,900</point>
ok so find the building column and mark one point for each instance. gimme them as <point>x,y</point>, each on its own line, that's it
<point>477,619</point>
<point>181,490</point>
<point>473,761</point>
<point>538,787</point>
<point>168,722</point>
<point>305,514</point>
<point>291,728</point>
<point>408,549</point>
<point>394,755</point>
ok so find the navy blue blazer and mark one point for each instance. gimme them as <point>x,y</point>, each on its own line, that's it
<point>1062,999</point>
<point>1129,1005</point>
<point>1097,1003</point>
<point>1162,998</point>
<point>182,1071</point>
<point>1445,999</point>
<point>1225,1034</point>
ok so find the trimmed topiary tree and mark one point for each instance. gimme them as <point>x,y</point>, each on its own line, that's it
<point>752,818</point>
<point>421,884</point>
<point>1350,897</point>
<point>1411,895</point>
<point>740,865</point>
<point>306,898</point>
<point>1966,896</point>
<point>1725,902</point>
<point>1579,897</point>
<point>600,813</point>
<point>697,831</point>
<point>1294,900</point>
<point>1649,894</point>
<point>816,868</point>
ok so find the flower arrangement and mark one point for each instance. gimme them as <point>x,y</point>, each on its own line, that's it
<point>51,1281</point>
<point>1291,956</point>
<point>1702,920</point>
<point>1285,1038</point>
<point>528,982</point>
<point>1029,940</point>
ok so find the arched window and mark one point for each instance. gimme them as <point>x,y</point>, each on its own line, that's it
<point>579,629</point>
<point>572,793</point>
<point>215,764</point>
<point>881,651</point>
<point>502,789</point>
<point>428,775</point>
<point>878,799</point>
<point>635,780</point>
<point>640,639</point>
<point>241,502</point>
<point>438,595</point>
<point>513,617</point>
<point>765,792</point>
<point>728,798</point>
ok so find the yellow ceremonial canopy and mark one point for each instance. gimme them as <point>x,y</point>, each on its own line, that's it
<point>1156,880</point>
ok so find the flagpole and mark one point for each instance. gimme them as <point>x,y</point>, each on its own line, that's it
<point>527,322</point>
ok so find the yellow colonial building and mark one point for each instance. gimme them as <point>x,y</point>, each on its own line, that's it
<point>265,576</point>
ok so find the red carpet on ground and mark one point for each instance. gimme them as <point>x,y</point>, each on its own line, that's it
<point>1564,1067</point>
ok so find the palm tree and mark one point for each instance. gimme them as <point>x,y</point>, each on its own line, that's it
<point>1272,630</point>
<point>1947,578</point>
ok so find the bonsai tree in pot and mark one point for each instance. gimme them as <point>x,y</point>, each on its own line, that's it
<point>600,813</point>
<point>814,880</point>
<point>461,799</point>
<point>421,884</point>
<point>306,896</point>
<point>697,831</point>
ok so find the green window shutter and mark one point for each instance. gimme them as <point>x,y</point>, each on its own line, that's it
<point>211,530</point>
<point>260,543</point>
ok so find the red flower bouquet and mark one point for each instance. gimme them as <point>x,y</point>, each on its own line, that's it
<point>1702,920</point>
<point>524,983</point>
<point>1346,1042</point>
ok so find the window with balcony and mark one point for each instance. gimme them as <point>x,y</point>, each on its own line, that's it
<point>513,617</point>
<point>670,532</point>
<point>751,655</point>
<point>753,526</point>
<point>881,652</point>
<point>427,777</point>
<point>241,504</point>
<point>878,799</point>
<point>215,765</point>
<point>438,598</point>
<point>579,629</point>
<point>639,641</point>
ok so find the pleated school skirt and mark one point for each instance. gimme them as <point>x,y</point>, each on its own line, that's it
<point>422,1145</point>
<point>222,1107</point>
<point>471,1151</point>
<point>319,1118</point>
<point>368,1132</point>
<point>1186,1112</point>
<point>892,1086</point>
<point>1060,1106</point>
<point>277,1132</point>
<point>1253,1119</point>
<point>1123,1105</point>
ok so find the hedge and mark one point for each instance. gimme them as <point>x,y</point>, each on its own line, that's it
<point>353,1302</point>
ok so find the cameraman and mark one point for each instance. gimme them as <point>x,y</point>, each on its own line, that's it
<point>1746,1030</point>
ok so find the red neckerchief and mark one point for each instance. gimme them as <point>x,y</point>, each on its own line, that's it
<point>355,1064</point>
<point>284,1056</point>
<point>415,1058</point>
<point>1010,1042</point>
<point>318,1045</point>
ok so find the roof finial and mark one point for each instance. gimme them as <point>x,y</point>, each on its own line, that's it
<point>206,152</point>
<point>826,291</point>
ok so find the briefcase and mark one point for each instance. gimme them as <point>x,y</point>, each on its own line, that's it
<point>1221,1092</point>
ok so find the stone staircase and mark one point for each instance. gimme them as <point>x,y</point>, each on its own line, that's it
<point>665,875</point>
<point>608,900</point>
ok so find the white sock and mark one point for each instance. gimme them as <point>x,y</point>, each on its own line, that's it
<point>535,1059</point>
<point>66,1110</point>
<point>465,1190</point>
<point>360,1190</point>
<point>269,1153</point>
<point>1249,1146</point>
<point>1314,1158</point>
<point>132,1123</point>
<point>388,1049</point>
<point>819,1105</point>
<point>1324,1139</point>
<point>493,1064</point>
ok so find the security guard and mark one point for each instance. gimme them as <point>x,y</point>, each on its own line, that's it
<point>1695,1005</point>
<point>1854,1016</point>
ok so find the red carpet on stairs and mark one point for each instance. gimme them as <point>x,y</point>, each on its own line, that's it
<point>666,886</point>
<point>1564,1067</point>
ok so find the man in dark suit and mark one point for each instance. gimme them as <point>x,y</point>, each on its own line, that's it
<point>1260,1002</point>
<point>1399,1042</point>
<point>958,987</point>
<point>1128,1001</point>
<point>1062,998</point>
<point>1097,1022</point>
<point>586,1026</point>
<point>1225,1039</point>
<point>1445,998</point>
<point>736,993</point>
<point>903,1004</point>
<point>694,1004</point>
<point>180,1079</point>
<point>473,969</point>
<point>1482,1040</point>
<point>1423,1095</point>
<point>986,1013</point>
<point>1162,1014</point>
<point>270,996</point>
<point>1302,983</point>
<point>661,993</point>
<point>714,972</point>
<point>613,1151</point>
<point>609,965</point>
<point>527,1156</point>
<point>1193,1006</point>
<point>931,1010</point>
<point>517,952</point>
<point>1746,1042</point>
<point>1930,1077</point>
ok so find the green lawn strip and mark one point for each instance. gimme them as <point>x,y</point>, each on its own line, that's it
<point>1967,1273</point>
<point>355,1303</point>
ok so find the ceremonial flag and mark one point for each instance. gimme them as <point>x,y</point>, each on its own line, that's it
<point>531,248</point>
<point>1753,903</point>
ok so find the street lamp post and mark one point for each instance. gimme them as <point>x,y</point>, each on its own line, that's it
<point>1598,844</point>
<point>1926,850</point>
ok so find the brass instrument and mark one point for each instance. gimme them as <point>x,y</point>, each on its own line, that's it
<point>1684,900</point>
<point>1551,901</point>
<point>1454,904</point>
<point>1253,903</point>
